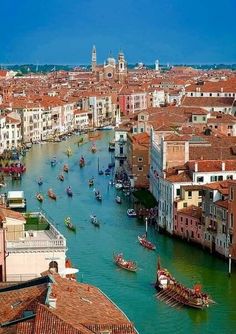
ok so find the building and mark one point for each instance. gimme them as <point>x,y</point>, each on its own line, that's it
<point>29,238</point>
<point>137,164</point>
<point>111,70</point>
<point>53,304</point>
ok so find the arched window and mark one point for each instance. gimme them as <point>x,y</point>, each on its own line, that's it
<point>53,266</point>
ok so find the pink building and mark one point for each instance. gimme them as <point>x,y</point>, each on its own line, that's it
<point>188,225</point>
<point>2,254</point>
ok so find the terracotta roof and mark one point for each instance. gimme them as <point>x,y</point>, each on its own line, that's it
<point>79,308</point>
<point>192,211</point>
<point>181,177</point>
<point>4,213</point>
<point>212,165</point>
<point>208,101</point>
<point>224,204</point>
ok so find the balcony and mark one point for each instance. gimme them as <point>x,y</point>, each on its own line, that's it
<point>47,238</point>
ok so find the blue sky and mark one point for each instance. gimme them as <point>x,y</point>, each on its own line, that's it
<point>63,31</point>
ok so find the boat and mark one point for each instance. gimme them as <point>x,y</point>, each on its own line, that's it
<point>69,152</point>
<point>51,194</point>
<point>66,168</point>
<point>94,221</point>
<point>80,141</point>
<point>118,200</point>
<point>69,224</point>
<point>93,148</point>
<point>118,185</point>
<point>81,162</point>
<point>124,264</point>
<point>61,177</point>
<point>69,191</point>
<point>106,127</point>
<point>40,181</point>
<point>174,293</point>
<point>108,171</point>
<point>111,146</point>
<point>131,213</point>
<point>91,182</point>
<point>98,196</point>
<point>146,243</point>
<point>39,197</point>
<point>53,161</point>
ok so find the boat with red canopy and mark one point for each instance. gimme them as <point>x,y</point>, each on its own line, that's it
<point>146,243</point>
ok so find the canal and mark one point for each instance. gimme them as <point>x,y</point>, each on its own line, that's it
<point>91,248</point>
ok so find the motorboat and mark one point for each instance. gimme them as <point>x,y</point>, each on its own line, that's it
<point>131,213</point>
<point>66,168</point>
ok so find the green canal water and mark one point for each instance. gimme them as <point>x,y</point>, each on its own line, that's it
<point>91,249</point>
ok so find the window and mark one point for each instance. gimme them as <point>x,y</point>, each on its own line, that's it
<point>192,234</point>
<point>211,194</point>
<point>194,118</point>
<point>140,169</point>
<point>177,192</point>
<point>140,159</point>
<point>220,178</point>
<point>203,118</point>
<point>185,205</point>
<point>142,117</point>
<point>181,219</point>
<point>189,194</point>
<point>231,194</point>
<point>231,220</point>
<point>200,179</point>
<point>229,177</point>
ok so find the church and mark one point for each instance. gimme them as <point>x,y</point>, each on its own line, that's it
<point>112,69</point>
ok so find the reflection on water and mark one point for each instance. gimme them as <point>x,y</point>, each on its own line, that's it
<point>91,249</point>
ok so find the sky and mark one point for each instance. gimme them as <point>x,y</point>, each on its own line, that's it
<point>64,31</point>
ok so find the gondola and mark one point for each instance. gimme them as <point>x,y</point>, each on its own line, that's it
<point>93,148</point>
<point>146,243</point>
<point>81,162</point>
<point>175,294</point>
<point>98,196</point>
<point>39,197</point>
<point>53,161</point>
<point>124,264</point>
<point>69,191</point>
<point>66,168</point>
<point>61,177</point>
<point>118,200</point>
<point>69,224</point>
<point>51,194</point>
<point>94,221</point>
<point>40,181</point>
<point>91,182</point>
<point>69,152</point>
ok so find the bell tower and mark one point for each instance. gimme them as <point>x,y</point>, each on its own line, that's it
<point>94,59</point>
<point>122,66</point>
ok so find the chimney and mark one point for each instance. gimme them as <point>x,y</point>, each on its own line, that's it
<point>223,165</point>
<point>196,166</point>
